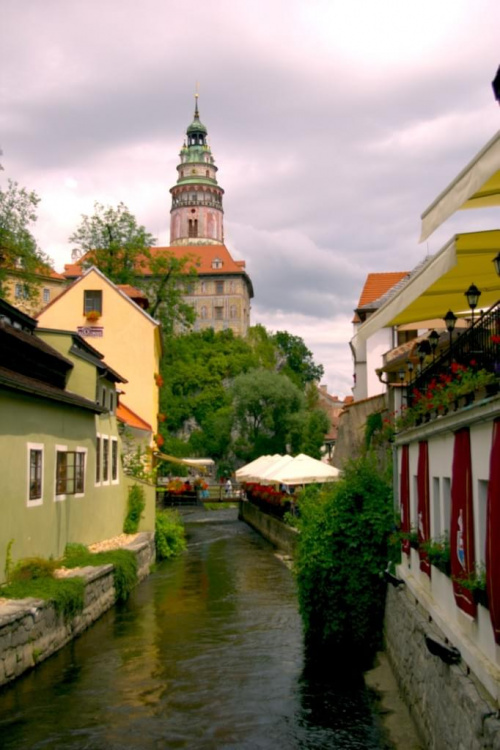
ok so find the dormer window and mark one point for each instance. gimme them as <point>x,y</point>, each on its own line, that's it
<point>217,263</point>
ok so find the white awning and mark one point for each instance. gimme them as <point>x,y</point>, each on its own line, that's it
<point>477,186</point>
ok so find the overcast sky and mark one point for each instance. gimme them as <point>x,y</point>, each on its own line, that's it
<point>334,124</point>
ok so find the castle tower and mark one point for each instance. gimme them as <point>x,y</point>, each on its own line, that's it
<point>196,216</point>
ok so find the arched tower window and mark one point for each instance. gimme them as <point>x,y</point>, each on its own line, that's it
<point>193,228</point>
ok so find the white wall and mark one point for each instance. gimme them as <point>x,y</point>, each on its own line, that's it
<point>472,636</point>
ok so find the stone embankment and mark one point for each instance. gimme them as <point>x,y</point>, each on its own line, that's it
<point>31,630</point>
<point>283,537</point>
<point>448,705</point>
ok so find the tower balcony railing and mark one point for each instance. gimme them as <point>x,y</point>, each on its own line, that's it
<point>179,203</point>
<point>471,357</point>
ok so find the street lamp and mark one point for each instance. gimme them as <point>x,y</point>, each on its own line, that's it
<point>423,349</point>
<point>472,295</point>
<point>450,319</point>
<point>496,85</point>
<point>433,340</point>
<point>496,261</point>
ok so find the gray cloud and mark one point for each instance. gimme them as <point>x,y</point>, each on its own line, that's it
<point>332,128</point>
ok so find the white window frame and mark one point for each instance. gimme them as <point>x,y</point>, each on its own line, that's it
<point>64,449</point>
<point>34,447</point>
<point>46,295</point>
<point>98,460</point>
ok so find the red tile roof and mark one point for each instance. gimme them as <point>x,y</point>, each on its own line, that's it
<point>377,284</point>
<point>202,257</point>
<point>130,418</point>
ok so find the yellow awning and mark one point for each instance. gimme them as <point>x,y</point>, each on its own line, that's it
<point>477,186</point>
<point>441,283</point>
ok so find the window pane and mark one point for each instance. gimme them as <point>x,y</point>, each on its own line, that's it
<point>61,472</point>
<point>92,300</point>
<point>105,459</point>
<point>114,460</point>
<point>80,472</point>
<point>35,474</point>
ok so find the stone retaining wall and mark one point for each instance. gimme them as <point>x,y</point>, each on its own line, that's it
<point>31,630</point>
<point>450,709</point>
<point>275,531</point>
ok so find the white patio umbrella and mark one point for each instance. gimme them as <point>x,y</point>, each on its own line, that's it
<point>304,470</point>
<point>244,473</point>
<point>261,474</point>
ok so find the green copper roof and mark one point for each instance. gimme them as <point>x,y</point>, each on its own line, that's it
<point>196,127</point>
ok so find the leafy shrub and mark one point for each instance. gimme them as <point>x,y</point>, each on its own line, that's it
<point>123,560</point>
<point>135,508</point>
<point>169,534</point>
<point>342,553</point>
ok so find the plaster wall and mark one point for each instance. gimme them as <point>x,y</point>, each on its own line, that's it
<point>45,526</point>
<point>82,377</point>
<point>376,346</point>
<point>130,340</point>
<point>209,223</point>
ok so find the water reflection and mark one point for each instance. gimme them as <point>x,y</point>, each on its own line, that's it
<point>206,654</point>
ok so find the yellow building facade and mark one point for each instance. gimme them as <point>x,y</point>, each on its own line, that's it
<point>127,336</point>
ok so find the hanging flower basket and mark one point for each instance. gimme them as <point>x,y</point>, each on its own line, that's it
<point>93,316</point>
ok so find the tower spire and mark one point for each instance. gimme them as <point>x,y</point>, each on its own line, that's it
<point>196,96</point>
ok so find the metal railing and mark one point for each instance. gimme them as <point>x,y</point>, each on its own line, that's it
<point>477,347</point>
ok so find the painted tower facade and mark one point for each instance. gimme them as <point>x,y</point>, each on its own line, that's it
<point>196,216</point>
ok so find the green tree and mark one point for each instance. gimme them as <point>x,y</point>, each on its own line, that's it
<point>113,241</point>
<point>315,427</point>
<point>295,360</point>
<point>341,555</point>
<point>265,404</point>
<point>18,248</point>
<point>167,281</point>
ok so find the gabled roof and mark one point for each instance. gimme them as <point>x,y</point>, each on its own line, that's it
<point>377,284</point>
<point>113,286</point>
<point>130,418</point>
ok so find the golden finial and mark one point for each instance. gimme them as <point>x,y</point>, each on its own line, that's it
<point>196,95</point>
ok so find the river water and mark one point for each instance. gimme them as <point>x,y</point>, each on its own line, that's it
<point>206,654</point>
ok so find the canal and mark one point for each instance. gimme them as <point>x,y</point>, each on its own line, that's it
<point>206,654</point>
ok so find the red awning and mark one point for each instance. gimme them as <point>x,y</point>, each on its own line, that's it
<point>463,562</point>
<point>493,533</point>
